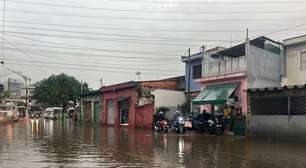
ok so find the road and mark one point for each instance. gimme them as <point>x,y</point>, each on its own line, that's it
<point>43,143</point>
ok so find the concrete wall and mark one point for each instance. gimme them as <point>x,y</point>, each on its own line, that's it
<point>168,98</point>
<point>194,86</point>
<point>294,74</point>
<point>91,99</point>
<point>278,127</point>
<point>140,117</point>
<point>263,68</point>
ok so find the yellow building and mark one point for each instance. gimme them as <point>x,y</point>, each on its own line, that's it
<point>295,61</point>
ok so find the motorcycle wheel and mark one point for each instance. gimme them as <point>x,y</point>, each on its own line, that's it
<point>219,131</point>
<point>181,130</point>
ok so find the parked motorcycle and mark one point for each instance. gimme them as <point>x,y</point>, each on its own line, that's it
<point>161,126</point>
<point>179,125</point>
<point>212,125</point>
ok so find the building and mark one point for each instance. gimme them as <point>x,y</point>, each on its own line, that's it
<point>278,113</point>
<point>91,106</point>
<point>230,72</point>
<point>195,72</point>
<point>132,104</point>
<point>14,86</point>
<point>295,61</point>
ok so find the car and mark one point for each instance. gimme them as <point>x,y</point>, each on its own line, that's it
<point>53,113</point>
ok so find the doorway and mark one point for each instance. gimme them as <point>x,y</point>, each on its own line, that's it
<point>124,111</point>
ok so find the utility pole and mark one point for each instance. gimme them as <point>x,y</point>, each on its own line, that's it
<point>101,82</point>
<point>138,73</point>
<point>188,85</point>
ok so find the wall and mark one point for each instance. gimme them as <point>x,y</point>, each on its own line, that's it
<point>171,84</point>
<point>194,86</point>
<point>140,117</point>
<point>144,116</point>
<point>168,98</point>
<point>128,92</point>
<point>294,74</point>
<point>92,99</point>
<point>263,68</point>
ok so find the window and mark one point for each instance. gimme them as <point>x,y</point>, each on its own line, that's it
<point>197,71</point>
<point>303,61</point>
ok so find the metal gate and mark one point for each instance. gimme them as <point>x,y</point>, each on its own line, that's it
<point>278,114</point>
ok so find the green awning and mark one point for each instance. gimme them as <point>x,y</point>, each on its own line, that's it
<point>215,94</point>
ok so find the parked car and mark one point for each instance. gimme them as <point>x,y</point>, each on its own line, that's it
<point>9,113</point>
<point>53,113</point>
<point>35,112</point>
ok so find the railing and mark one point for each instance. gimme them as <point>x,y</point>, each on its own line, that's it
<point>223,67</point>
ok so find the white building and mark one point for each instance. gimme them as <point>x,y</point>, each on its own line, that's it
<point>295,61</point>
<point>14,86</point>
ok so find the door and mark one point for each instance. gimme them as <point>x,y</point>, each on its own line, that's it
<point>96,111</point>
<point>110,112</point>
<point>124,112</point>
<point>88,111</point>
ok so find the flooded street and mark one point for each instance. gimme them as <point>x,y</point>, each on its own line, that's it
<point>40,143</point>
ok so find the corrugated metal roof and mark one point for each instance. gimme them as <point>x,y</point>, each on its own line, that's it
<point>270,89</point>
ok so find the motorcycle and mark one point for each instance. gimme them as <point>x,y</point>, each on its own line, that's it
<point>161,126</point>
<point>218,126</point>
<point>213,126</point>
<point>179,125</point>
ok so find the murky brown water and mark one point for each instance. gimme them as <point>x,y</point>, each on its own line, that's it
<point>35,144</point>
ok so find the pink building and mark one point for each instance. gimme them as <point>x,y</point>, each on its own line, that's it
<point>227,74</point>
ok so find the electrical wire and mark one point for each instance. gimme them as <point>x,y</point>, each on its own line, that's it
<point>95,49</point>
<point>157,19</point>
<point>213,3</point>
<point>33,65</point>
<point>155,11</point>
<point>151,38</point>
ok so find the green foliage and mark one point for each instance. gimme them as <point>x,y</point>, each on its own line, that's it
<point>57,90</point>
<point>5,95</point>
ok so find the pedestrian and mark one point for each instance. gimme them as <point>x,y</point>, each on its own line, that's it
<point>227,119</point>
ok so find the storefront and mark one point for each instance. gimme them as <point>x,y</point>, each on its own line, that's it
<point>219,94</point>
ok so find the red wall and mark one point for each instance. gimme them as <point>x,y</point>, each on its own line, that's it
<point>141,117</point>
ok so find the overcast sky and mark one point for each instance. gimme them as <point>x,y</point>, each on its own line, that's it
<point>113,39</point>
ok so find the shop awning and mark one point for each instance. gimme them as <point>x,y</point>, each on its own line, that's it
<point>215,94</point>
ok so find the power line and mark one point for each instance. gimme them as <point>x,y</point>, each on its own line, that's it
<point>94,55</point>
<point>95,60</point>
<point>96,66</point>
<point>63,47</point>
<point>155,11</point>
<point>130,29</point>
<point>125,29</point>
<point>131,41</point>
<point>41,62</point>
<point>158,19</point>
<point>151,38</point>
<point>33,65</point>
<point>3,24</point>
<point>214,3</point>
<point>95,49</point>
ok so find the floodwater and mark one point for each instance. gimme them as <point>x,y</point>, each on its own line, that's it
<point>43,143</point>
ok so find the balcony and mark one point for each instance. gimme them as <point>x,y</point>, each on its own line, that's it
<point>223,67</point>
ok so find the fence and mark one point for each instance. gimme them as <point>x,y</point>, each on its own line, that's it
<point>279,114</point>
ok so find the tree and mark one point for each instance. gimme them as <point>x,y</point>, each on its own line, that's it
<point>5,95</point>
<point>58,90</point>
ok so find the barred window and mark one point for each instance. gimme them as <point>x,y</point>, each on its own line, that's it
<point>197,71</point>
<point>303,61</point>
